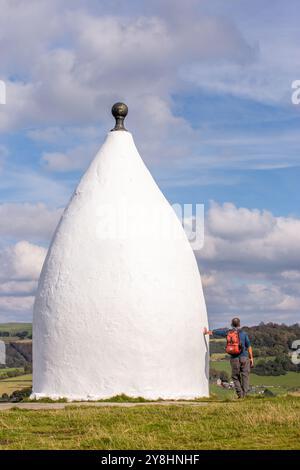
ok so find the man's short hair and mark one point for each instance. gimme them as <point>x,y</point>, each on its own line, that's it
<point>235,322</point>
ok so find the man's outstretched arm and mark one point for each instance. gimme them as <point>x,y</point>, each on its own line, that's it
<point>206,331</point>
<point>222,332</point>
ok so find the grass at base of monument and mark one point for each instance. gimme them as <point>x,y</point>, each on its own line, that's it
<point>126,399</point>
<point>249,424</point>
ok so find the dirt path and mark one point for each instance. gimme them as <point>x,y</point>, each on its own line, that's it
<point>61,406</point>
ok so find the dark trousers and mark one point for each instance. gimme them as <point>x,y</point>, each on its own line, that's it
<point>240,372</point>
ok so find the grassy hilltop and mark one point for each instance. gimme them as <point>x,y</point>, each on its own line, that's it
<point>255,423</point>
<point>221,422</point>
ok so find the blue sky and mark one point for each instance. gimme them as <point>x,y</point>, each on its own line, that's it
<point>208,85</point>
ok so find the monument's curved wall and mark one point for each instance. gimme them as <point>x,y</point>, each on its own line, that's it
<point>117,313</point>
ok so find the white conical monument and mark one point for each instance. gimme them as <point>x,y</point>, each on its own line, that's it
<point>118,311</point>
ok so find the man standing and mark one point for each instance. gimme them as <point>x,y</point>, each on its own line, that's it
<point>240,350</point>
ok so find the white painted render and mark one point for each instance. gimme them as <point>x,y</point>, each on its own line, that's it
<point>119,312</point>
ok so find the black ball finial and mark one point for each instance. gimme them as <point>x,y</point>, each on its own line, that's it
<point>119,112</point>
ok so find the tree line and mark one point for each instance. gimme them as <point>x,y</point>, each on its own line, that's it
<point>272,347</point>
<point>19,334</point>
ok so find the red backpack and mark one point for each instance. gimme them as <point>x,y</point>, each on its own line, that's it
<point>234,345</point>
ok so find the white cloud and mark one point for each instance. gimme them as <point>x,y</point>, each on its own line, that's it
<point>251,265</point>
<point>267,79</point>
<point>252,299</point>
<point>76,158</point>
<point>22,261</point>
<point>17,288</point>
<point>88,57</point>
<point>12,307</point>
<point>101,58</point>
<point>30,221</point>
<point>240,238</point>
<point>229,222</point>
<point>20,267</point>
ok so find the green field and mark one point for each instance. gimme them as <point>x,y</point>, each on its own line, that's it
<point>278,384</point>
<point>13,328</point>
<point>15,383</point>
<point>3,372</point>
<point>218,356</point>
<point>250,424</point>
<point>221,393</point>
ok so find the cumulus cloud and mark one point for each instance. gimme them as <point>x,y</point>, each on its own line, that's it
<point>250,239</point>
<point>16,308</point>
<point>87,57</point>
<point>229,222</point>
<point>73,81</point>
<point>74,159</point>
<point>251,264</point>
<point>253,299</point>
<point>22,261</point>
<point>17,288</point>
<point>268,77</point>
<point>20,267</point>
<point>32,221</point>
